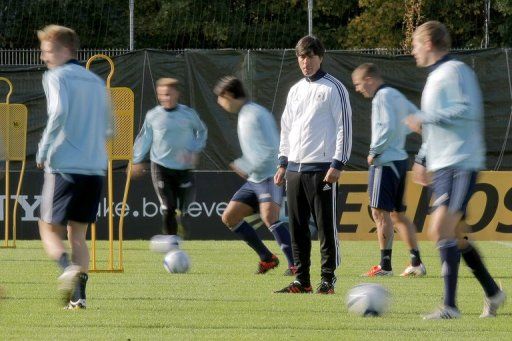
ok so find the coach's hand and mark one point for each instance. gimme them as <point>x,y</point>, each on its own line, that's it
<point>332,175</point>
<point>40,165</point>
<point>279,176</point>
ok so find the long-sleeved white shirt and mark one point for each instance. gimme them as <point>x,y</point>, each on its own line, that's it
<point>316,125</point>
<point>452,117</point>
<point>79,121</point>
<point>259,141</point>
<point>170,136</point>
<point>389,109</point>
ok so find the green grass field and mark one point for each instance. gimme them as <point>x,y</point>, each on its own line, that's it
<point>221,298</point>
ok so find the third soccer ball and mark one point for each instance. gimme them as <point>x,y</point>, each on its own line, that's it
<point>164,243</point>
<point>368,299</point>
<point>176,262</point>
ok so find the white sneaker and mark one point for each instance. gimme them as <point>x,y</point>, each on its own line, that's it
<point>491,304</point>
<point>443,313</point>
<point>67,281</point>
<point>414,271</point>
<point>80,304</point>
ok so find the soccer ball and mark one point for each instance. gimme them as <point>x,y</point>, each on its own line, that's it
<point>368,299</point>
<point>164,243</point>
<point>176,262</point>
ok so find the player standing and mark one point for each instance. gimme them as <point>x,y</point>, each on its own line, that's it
<point>259,141</point>
<point>451,121</point>
<point>387,160</point>
<point>73,155</point>
<point>316,140</point>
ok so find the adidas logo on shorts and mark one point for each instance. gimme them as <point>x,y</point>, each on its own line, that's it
<point>326,187</point>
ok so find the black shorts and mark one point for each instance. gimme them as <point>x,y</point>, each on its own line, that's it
<point>70,197</point>
<point>386,186</point>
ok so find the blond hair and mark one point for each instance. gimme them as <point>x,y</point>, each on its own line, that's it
<point>167,82</point>
<point>63,36</point>
<point>436,33</point>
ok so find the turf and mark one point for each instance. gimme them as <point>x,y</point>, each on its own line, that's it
<point>221,298</point>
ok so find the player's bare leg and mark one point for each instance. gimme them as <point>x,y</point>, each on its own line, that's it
<point>385,235</point>
<point>407,231</point>
<point>80,257</point>
<point>233,218</point>
<point>51,236</point>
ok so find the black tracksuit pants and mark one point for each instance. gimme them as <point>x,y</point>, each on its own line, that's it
<point>174,189</point>
<point>308,194</point>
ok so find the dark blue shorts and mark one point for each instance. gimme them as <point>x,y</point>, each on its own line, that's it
<point>252,193</point>
<point>70,197</point>
<point>386,186</point>
<point>453,187</point>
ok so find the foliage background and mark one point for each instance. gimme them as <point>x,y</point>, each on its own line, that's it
<point>179,24</point>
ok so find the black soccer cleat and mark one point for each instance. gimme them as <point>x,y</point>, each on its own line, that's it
<point>325,288</point>
<point>295,287</point>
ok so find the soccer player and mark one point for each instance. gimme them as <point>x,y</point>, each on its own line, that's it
<point>451,121</point>
<point>316,140</point>
<point>259,141</point>
<point>173,135</point>
<point>73,155</point>
<point>387,160</point>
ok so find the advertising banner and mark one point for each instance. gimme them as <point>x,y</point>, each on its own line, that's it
<point>489,211</point>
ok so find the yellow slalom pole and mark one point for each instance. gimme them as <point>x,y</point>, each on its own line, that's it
<point>120,147</point>
<point>14,211</point>
<point>7,168</point>
<point>123,208</point>
<point>93,246</point>
<point>7,203</point>
<point>110,217</point>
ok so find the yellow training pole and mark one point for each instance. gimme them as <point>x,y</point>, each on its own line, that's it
<point>13,131</point>
<point>120,147</point>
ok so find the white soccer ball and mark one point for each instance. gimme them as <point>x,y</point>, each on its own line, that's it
<point>164,243</point>
<point>368,299</point>
<point>176,262</point>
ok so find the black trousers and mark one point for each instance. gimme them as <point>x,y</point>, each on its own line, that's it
<point>308,194</point>
<point>175,190</point>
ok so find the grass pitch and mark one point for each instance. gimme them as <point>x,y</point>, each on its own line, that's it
<point>221,298</point>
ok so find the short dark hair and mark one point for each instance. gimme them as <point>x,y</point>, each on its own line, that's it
<point>229,84</point>
<point>368,70</point>
<point>309,46</point>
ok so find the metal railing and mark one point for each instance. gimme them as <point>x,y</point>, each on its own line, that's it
<point>23,57</point>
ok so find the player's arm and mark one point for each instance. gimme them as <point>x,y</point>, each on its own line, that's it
<point>200,133</point>
<point>284,144</point>
<point>384,124</point>
<point>256,131</point>
<point>451,90</point>
<point>419,169</point>
<point>57,104</point>
<point>142,146</point>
